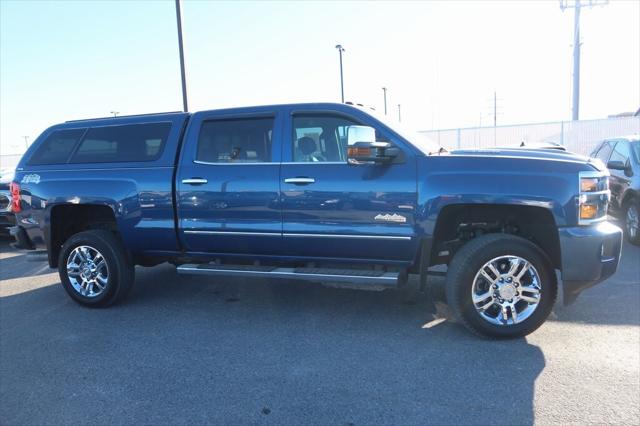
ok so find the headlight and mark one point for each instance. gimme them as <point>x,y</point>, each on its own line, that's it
<point>593,198</point>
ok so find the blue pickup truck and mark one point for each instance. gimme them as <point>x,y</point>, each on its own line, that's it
<point>320,192</point>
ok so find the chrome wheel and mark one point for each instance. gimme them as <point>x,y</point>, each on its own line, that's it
<point>87,271</point>
<point>506,290</point>
<point>633,221</point>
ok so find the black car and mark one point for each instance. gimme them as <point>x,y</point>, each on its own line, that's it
<point>622,157</point>
<point>7,218</point>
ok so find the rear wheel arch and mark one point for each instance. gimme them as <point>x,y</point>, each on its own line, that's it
<point>66,220</point>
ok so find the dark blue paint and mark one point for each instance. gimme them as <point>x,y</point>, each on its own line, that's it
<point>148,198</point>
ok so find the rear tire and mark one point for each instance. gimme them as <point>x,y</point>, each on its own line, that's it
<point>631,220</point>
<point>501,294</point>
<point>95,269</point>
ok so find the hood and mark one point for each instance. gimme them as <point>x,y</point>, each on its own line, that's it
<point>534,154</point>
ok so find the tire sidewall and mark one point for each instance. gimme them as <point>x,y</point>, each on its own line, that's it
<point>633,202</point>
<point>93,240</point>
<point>460,291</point>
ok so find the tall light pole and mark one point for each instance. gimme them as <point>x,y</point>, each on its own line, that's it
<point>181,49</point>
<point>384,90</point>
<point>577,5</point>
<point>340,50</point>
<point>115,113</point>
<point>399,115</point>
<point>26,141</point>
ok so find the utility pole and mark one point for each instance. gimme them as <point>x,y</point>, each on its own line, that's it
<point>495,109</point>
<point>384,90</point>
<point>115,113</point>
<point>577,5</point>
<point>185,107</point>
<point>399,115</point>
<point>340,50</point>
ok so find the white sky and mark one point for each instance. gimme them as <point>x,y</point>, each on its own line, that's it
<point>442,61</point>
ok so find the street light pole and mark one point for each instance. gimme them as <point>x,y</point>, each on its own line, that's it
<point>399,115</point>
<point>115,113</point>
<point>384,89</point>
<point>181,49</point>
<point>26,141</point>
<point>340,50</point>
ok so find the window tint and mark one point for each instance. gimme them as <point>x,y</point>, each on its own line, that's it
<point>320,138</point>
<point>133,142</point>
<point>57,147</point>
<point>246,140</point>
<point>621,152</point>
<point>604,152</point>
<point>635,146</point>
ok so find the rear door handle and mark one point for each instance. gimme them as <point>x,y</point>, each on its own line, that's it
<point>300,180</point>
<point>194,181</point>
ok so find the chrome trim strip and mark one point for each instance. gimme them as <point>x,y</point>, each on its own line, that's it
<point>194,181</point>
<point>370,237</point>
<point>260,163</point>
<point>265,234</point>
<point>286,234</point>
<point>299,180</point>
<point>313,163</point>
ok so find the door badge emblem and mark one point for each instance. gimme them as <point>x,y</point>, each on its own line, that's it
<point>391,218</point>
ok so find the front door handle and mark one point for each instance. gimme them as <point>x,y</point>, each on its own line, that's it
<point>194,181</point>
<point>300,180</point>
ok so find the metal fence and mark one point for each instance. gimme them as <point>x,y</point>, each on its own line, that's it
<point>578,136</point>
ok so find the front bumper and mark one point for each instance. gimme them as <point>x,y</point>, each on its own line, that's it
<point>590,254</point>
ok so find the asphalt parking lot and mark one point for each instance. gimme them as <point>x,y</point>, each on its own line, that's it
<point>193,350</point>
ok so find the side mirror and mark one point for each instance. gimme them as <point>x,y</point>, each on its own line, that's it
<point>371,152</point>
<point>616,165</point>
<point>363,148</point>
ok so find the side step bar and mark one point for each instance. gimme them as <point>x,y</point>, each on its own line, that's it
<point>350,276</point>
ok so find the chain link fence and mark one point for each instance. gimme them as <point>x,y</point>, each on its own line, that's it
<point>577,136</point>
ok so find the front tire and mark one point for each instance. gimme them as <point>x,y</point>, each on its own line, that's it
<point>632,221</point>
<point>95,269</point>
<point>501,286</point>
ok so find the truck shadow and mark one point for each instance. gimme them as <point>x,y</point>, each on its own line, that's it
<point>303,352</point>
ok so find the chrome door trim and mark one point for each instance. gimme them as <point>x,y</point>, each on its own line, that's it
<point>266,234</point>
<point>261,163</point>
<point>278,234</point>
<point>300,180</point>
<point>194,181</point>
<point>356,236</point>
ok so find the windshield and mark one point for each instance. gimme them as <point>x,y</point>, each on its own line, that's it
<point>417,139</point>
<point>635,146</point>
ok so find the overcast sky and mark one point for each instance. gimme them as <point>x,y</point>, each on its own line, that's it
<point>442,61</point>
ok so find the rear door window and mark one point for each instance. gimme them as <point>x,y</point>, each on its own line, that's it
<point>245,140</point>
<point>56,148</point>
<point>127,143</point>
